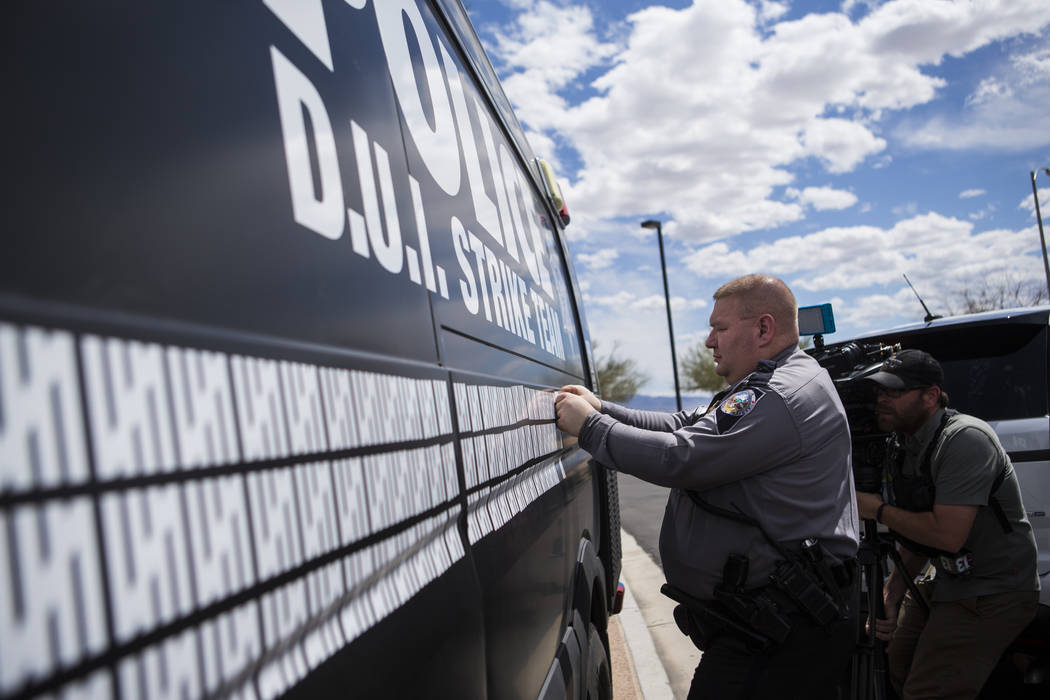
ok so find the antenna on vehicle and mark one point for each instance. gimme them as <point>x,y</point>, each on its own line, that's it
<point>929,316</point>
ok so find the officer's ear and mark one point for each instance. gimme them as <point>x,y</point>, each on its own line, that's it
<point>767,327</point>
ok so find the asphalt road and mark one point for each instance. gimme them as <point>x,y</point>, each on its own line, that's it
<point>642,512</point>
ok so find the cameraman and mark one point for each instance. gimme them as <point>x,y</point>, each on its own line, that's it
<point>758,481</point>
<point>953,500</point>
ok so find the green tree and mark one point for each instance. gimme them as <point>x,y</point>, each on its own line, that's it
<point>698,369</point>
<point>618,377</point>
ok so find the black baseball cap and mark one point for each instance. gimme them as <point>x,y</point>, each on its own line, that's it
<point>909,369</point>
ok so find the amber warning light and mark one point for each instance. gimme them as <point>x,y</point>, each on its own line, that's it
<point>554,191</point>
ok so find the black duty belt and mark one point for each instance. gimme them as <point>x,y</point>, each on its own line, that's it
<point>806,577</point>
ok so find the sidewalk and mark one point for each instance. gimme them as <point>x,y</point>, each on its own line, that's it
<point>651,659</point>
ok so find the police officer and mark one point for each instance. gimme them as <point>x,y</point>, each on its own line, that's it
<point>953,500</point>
<point>761,475</point>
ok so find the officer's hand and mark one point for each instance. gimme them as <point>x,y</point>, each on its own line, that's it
<point>572,411</point>
<point>868,504</point>
<point>583,392</point>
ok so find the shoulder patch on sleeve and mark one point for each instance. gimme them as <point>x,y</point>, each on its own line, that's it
<point>740,403</point>
<point>736,406</point>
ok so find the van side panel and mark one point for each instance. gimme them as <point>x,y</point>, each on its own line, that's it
<point>523,528</point>
<point>154,176</point>
<point>282,309</point>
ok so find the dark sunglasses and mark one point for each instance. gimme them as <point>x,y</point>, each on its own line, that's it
<point>897,393</point>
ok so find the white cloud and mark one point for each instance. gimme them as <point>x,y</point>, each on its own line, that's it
<point>988,90</point>
<point>615,301</point>
<point>906,209</point>
<point>983,213</point>
<point>823,198</point>
<point>1006,111</point>
<point>700,113</point>
<point>927,31</point>
<point>876,309</point>
<point>1032,67</point>
<point>840,143</point>
<point>769,10</point>
<point>653,302</point>
<point>986,131</point>
<point>1027,203</point>
<point>936,249</point>
<point>656,302</point>
<point>601,260</point>
<point>553,43</point>
<point>969,194</point>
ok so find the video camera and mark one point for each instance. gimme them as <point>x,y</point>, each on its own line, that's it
<point>848,364</point>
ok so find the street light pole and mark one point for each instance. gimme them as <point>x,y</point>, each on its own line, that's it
<point>1042,239</point>
<point>653,224</point>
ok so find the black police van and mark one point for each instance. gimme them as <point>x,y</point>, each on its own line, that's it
<point>283,301</point>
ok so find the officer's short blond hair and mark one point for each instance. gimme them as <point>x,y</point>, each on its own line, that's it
<point>763,294</point>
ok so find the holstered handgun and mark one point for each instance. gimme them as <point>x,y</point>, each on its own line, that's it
<point>703,621</point>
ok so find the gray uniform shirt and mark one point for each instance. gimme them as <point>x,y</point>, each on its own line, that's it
<point>776,447</point>
<point>964,466</point>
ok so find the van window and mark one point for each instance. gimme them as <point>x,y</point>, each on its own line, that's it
<point>489,229</point>
<point>468,39</point>
<point>996,372</point>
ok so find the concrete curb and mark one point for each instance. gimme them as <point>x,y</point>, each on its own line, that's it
<point>663,658</point>
<point>649,670</point>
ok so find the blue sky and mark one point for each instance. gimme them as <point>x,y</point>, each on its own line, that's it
<point>838,145</point>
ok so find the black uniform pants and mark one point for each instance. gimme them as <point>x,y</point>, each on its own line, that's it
<point>808,665</point>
